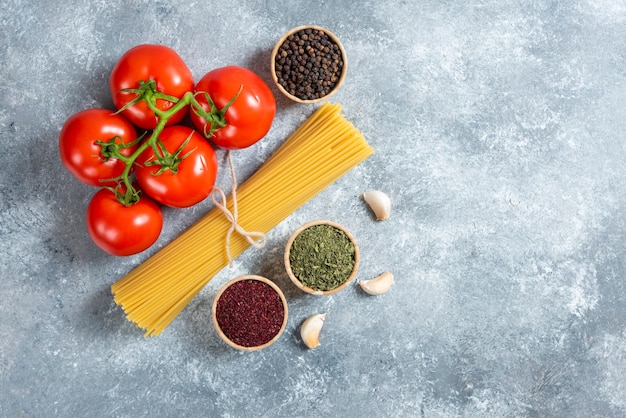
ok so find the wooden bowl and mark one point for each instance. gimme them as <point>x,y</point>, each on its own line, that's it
<point>342,76</point>
<point>307,289</point>
<point>221,333</point>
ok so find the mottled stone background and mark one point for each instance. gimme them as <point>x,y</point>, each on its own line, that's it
<point>500,135</point>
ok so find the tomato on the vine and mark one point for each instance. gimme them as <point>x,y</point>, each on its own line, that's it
<point>183,170</point>
<point>145,64</point>
<point>85,141</point>
<point>249,117</point>
<point>123,230</point>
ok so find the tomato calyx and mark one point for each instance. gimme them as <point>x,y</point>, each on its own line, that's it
<point>127,196</point>
<point>166,160</point>
<point>215,117</point>
<point>111,148</point>
<point>147,91</point>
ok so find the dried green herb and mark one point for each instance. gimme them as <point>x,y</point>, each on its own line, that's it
<point>322,257</point>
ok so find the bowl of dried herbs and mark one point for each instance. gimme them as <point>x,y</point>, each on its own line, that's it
<point>322,257</point>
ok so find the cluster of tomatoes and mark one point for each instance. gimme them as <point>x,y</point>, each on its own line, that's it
<point>146,154</point>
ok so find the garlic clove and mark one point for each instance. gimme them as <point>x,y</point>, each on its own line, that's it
<point>310,330</point>
<point>378,285</point>
<point>379,203</point>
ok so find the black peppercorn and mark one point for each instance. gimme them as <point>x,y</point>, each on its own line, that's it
<point>308,64</point>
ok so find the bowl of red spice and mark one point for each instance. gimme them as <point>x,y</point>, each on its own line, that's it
<point>308,64</point>
<point>322,257</point>
<point>250,312</point>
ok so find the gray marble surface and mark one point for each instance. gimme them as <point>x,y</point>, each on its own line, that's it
<point>500,135</point>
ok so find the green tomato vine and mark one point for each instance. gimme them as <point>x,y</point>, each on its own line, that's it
<point>125,192</point>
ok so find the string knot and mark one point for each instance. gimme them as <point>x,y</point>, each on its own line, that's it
<point>254,238</point>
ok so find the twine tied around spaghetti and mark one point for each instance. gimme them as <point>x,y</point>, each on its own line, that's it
<point>254,238</point>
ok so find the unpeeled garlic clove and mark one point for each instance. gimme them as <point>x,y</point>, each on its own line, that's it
<point>378,285</point>
<point>379,202</point>
<point>310,330</point>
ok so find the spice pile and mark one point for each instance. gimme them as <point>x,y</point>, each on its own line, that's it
<point>322,257</point>
<point>308,64</point>
<point>250,313</point>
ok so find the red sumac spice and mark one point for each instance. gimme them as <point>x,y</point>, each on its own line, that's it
<point>250,313</point>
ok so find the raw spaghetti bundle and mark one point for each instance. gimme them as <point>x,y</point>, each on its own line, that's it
<point>320,151</point>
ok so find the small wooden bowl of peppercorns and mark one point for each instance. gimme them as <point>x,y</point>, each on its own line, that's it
<point>250,313</point>
<point>308,64</point>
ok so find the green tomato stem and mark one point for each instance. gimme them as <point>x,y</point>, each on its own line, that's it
<point>215,118</point>
<point>163,117</point>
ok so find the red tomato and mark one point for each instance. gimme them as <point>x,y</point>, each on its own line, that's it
<point>80,153</point>
<point>249,118</point>
<point>150,62</point>
<point>123,230</point>
<point>192,174</point>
